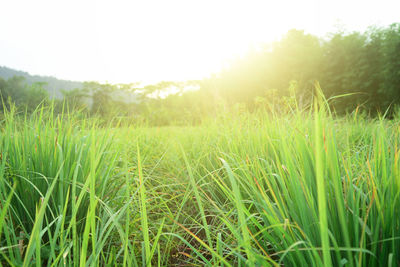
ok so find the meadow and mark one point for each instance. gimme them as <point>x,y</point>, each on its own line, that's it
<point>307,188</point>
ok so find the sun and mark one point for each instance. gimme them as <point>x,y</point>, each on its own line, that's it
<point>123,41</point>
<point>177,40</point>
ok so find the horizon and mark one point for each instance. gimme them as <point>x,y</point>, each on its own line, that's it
<point>129,42</point>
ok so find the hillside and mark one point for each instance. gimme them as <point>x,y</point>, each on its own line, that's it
<point>53,85</point>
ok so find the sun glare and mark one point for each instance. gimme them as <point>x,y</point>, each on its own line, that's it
<point>124,41</point>
<point>200,133</point>
<point>179,39</point>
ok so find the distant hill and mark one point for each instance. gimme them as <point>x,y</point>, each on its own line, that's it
<point>53,85</point>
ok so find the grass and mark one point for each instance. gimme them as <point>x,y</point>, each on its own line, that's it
<point>303,189</point>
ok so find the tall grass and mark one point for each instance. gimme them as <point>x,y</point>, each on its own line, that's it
<point>304,189</point>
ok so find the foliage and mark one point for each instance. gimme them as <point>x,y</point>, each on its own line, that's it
<point>363,66</point>
<point>254,189</point>
<point>15,91</point>
<point>52,85</point>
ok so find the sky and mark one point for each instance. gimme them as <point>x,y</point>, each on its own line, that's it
<point>147,41</point>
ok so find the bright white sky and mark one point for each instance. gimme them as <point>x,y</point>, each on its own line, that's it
<point>149,41</point>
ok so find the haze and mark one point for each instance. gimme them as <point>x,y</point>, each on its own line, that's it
<point>148,41</point>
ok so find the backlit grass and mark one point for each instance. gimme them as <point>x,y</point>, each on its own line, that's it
<point>303,189</point>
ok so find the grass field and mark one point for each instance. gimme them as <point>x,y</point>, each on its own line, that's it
<point>303,189</point>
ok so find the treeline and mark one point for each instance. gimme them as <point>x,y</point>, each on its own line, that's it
<point>52,85</point>
<point>363,66</point>
<point>92,98</point>
<point>15,91</point>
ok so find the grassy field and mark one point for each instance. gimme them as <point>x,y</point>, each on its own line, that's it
<point>303,189</point>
